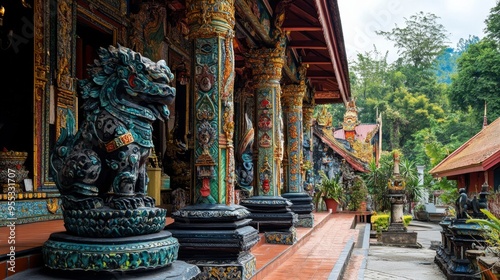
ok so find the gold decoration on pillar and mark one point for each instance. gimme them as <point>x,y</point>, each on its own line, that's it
<point>293,96</point>
<point>307,115</point>
<point>213,18</point>
<point>267,64</point>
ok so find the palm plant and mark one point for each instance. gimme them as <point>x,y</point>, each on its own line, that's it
<point>491,228</point>
<point>329,188</point>
<point>409,172</point>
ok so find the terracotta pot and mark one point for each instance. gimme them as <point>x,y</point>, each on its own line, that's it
<point>331,204</point>
<point>362,206</point>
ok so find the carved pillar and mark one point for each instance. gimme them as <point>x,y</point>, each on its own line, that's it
<point>211,33</point>
<point>307,116</point>
<point>267,65</point>
<point>293,96</point>
<point>292,108</point>
<point>65,88</point>
<point>41,69</point>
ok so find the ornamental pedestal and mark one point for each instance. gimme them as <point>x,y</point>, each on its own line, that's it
<point>112,225</point>
<point>273,216</point>
<point>302,206</point>
<point>397,233</point>
<point>216,238</point>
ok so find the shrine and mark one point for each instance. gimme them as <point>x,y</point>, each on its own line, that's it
<point>234,85</point>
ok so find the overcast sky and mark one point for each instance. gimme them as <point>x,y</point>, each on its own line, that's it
<point>361,18</point>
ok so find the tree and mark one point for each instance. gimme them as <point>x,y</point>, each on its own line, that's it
<point>493,23</point>
<point>477,81</point>
<point>420,41</point>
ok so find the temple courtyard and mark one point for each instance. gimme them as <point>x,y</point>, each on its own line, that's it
<point>338,247</point>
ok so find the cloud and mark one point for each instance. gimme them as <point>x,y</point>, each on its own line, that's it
<point>361,18</point>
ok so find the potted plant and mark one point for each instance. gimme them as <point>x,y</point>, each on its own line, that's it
<point>357,195</point>
<point>330,189</point>
<point>420,212</point>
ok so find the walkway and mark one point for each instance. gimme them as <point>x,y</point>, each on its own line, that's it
<point>320,255</point>
<point>321,252</point>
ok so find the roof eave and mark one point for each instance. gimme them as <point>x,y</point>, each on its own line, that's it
<point>327,9</point>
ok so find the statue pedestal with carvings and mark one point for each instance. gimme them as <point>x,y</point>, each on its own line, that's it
<point>273,216</point>
<point>112,225</point>
<point>397,233</point>
<point>216,238</point>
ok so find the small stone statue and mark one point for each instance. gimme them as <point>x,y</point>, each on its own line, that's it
<point>462,204</point>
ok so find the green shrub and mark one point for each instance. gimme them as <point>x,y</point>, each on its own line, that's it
<point>381,222</point>
<point>407,220</point>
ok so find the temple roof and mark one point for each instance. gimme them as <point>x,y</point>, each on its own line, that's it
<point>315,34</point>
<point>363,131</point>
<point>479,153</point>
<point>314,39</point>
<point>326,135</point>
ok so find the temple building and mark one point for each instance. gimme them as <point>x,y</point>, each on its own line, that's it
<point>476,162</point>
<point>247,74</point>
<point>350,142</point>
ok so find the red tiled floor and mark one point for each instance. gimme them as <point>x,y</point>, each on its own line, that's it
<point>29,236</point>
<point>312,258</point>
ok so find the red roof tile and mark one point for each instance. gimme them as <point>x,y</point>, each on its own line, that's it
<point>362,131</point>
<point>479,153</point>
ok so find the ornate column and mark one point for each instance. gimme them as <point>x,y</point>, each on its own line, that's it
<point>211,26</point>
<point>292,108</point>
<point>307,144</point>
<point>292,98</point>
<point>270,213</point>
<point>267,65</point>
<point>307,117</point>
<point>214,228</point>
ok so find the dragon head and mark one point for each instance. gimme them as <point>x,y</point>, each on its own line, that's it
<point>130,82</point>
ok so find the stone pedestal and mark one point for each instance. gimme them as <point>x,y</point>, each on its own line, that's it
<point>302,206</point>
<point>70,252</point>
<point>243,267</point>
<point>272,215</point>
<point>397,233</point>
<point>216,238</point>
<point>459,237</point>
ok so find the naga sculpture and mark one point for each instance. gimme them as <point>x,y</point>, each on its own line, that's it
<point>104,163</point>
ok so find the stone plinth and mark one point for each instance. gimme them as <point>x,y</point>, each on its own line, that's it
<point>302,206</point>
<point>216,238</point>
<point>459,237</point>
<point>243,267</point>
<point>286,237</point>
<point>272,214</point>
<point>400,238</point>
<point>76,253</point>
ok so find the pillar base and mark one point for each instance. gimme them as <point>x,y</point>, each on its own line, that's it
<point>305,220</point>
<point>214,235</point>
<point>270,213</point>
<point>65,251</point>
<point>242,268</point>
<point>288,237</point>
